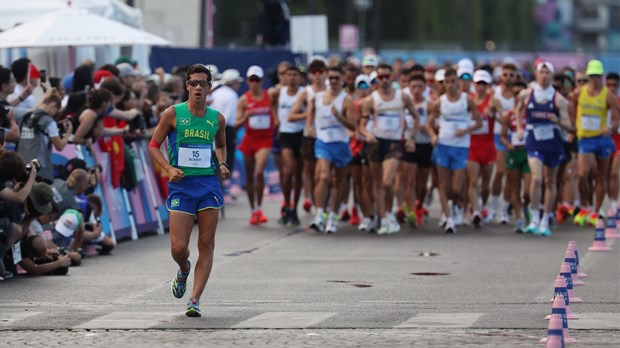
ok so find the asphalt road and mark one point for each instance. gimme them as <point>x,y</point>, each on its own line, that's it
<point>276,286</point>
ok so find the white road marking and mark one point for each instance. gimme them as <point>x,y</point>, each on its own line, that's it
<point>441,320</point>
<point>284,320</point>
<point>8,318</point>
<point>127,320</point>
<point>596,321</point>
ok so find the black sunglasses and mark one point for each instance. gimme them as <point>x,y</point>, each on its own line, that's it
<point>202,83</point>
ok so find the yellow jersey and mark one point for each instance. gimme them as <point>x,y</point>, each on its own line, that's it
<point>591,113</point>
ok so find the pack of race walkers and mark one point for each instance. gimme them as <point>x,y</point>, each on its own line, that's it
<point>369,144</point>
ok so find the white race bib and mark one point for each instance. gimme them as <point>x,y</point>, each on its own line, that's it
<point>484,129</point>
<point>195,156</point>
<point>17,253</point>
<point>259,122</point>
<point>391,122</point>
<point>333,134</point>
<point>542,133</point>
<point>590,122</point>
<point>514,139</point>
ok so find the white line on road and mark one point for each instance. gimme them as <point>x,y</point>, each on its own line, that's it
<point>9,317</point>
<point>441,320</point>
<point>127,320</point>
<point>284,320</point>
<point>596,321</point>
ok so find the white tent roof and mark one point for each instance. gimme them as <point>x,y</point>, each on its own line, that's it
<point>75,27</point>
<point>19,11</point>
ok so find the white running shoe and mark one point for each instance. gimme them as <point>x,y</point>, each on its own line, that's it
<point>504,219</point>
<point>365,225</point>
<point>393,225</point>
<point>442,221</point>
<point>458,215</point>
<point>450,227</point>
<point>332,225</point>
<point>318,224</point>
<point>384,229</point>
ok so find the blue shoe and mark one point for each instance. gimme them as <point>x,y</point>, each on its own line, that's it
<point>179,283</point>
<point>531,228</point>
<point>544,233</point>
<point>193,308</point>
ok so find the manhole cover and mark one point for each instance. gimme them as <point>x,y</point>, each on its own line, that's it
<point>428,254</point>
<point>429,274</point>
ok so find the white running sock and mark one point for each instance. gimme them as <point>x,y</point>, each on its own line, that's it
<point>505,207</point>
<point>343,207</point>
<point>495,203</point>
<point>544,224</point>
<point>320,212</point>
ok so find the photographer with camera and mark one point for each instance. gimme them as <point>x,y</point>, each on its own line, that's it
<point>39,132</point>
<point>22,178</point>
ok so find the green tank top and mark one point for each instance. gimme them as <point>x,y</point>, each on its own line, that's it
<point>190,145</point>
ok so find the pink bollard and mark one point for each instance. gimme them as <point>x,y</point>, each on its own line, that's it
<point>573,245</point>
<point>600,243</point>
<point>565,272</point>
<point>611,227</point>
<point>571,259</point>
<point>561,291</point>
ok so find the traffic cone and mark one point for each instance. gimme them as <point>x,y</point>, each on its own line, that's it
<point>600,243</point>
<point>570,258</point>
<point>558,311</point>
<point>560,290</point>
<point>611,229</point>
<point>555,337</point>
<point>573,245</point>
<point>565,272</point>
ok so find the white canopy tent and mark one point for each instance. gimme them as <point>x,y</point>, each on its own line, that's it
<point>50,23</point>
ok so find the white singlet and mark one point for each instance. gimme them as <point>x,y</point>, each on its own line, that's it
<point>285,104</point>
<point>453,116</point>
<point>328,128</point>
<point>389,116</point>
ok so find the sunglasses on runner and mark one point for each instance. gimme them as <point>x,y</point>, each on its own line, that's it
<point>583,80</point>
<point>334,78</point>
<point>612,84</point>
<point>202,83</point>
<point>509,74</point>
<point>384,77</point>
<point>254,79</point>
<point>317,71</point>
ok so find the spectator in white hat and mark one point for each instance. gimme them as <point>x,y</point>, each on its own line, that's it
<point>369,63</point>
<point>225,99</point>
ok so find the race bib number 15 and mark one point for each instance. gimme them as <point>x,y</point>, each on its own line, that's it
<point>195,156</point>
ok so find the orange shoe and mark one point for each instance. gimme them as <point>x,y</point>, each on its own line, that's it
<point>254,219</point>
<point>261,218</point>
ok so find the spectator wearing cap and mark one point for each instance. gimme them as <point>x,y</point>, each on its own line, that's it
<point>27,77</point>
<point>225,99</point>
<point>465,73</point>
<point>126,59</point>
<point>127,75</point>
<point>39,253</point>
<point>38,210</point>
<point>374,82</point>
<point>369,63</point>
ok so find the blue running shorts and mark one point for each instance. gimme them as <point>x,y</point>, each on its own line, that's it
<point>451,157</point>
<point>338,153</point>
<point>601,146</point>
<point>195,193</point>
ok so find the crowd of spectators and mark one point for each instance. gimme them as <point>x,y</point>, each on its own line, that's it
<point>49,213</point>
